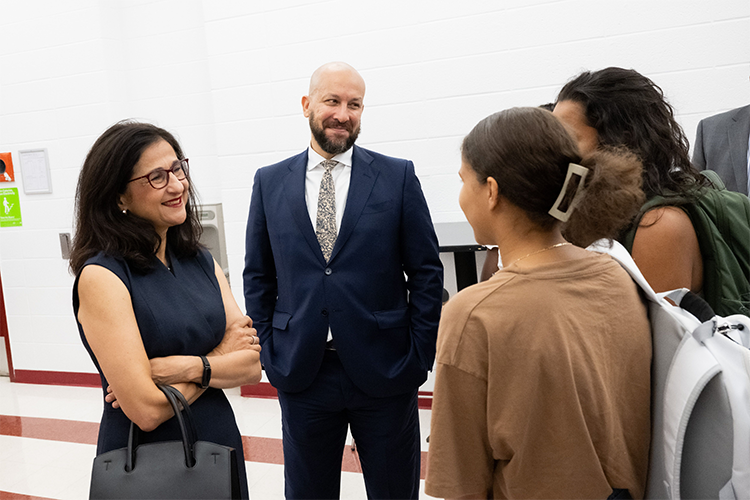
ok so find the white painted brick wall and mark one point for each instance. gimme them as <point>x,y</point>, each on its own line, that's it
<point>227,77</point>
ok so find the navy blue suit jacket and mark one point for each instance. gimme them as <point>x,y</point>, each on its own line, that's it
<point>380,293</point>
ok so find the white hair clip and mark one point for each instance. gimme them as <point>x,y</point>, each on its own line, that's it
<point>564,205</point>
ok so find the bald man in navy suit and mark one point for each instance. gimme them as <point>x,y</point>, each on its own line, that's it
<point>344,283</point>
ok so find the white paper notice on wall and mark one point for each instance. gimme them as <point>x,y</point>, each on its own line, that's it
<point>35,171</point>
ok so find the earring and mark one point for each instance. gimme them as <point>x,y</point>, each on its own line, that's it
<point>125,212</point>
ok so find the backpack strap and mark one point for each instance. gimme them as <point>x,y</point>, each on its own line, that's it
<point>628,236</point>
<point>714,178</point>
<point>721,220</point>
<point>693,367</point>
<point>622,256</point>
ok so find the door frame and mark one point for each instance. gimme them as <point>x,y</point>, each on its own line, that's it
<point>4,334</point>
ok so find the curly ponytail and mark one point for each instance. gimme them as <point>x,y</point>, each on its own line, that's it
<point>611,198</point>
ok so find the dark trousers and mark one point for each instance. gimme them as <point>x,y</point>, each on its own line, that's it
<point>618,494</point>
<point>314,424</point>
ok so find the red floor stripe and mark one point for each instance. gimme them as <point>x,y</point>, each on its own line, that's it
<point>257,449</point>
<point>7,495</point>
<point>264,450</point>
<point>270,451</point>
<point>71,431</point>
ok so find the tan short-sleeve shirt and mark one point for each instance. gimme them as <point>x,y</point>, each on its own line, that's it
<point>542,387</point>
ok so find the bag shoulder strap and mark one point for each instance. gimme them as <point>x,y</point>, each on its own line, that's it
<point>628,236</point>
<point>714,178</point>
<point>622,256</point>
<point>692,369</point>
<point>721,220</point>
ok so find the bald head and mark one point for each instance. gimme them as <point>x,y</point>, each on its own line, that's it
<point>334,108</point>
<point>335,70</point>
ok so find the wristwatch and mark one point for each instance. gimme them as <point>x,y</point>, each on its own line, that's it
<point>206,373</point>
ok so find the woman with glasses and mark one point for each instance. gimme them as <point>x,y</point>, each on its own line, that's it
<point>542,379</point>
<point>152,305</point>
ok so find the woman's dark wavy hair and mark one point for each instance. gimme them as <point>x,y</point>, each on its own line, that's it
<point>527,151</point>
<point>629,110</point>
<point>100,224</point>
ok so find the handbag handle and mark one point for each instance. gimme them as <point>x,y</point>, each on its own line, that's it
<point>188,414</point>
<point>187,428</point>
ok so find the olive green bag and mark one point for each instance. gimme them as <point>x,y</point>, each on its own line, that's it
<point>721,219</point>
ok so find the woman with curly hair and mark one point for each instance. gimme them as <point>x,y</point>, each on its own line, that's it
<point>621,107</point>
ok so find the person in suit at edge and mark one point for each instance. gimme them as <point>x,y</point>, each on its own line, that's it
<point>344,282</point>
<point>722,144</point>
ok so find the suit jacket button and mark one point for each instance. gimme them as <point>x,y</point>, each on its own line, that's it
<point>324,312</point>
<point>328,271</point>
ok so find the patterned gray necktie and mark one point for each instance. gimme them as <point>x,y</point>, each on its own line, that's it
<point>325,225</point>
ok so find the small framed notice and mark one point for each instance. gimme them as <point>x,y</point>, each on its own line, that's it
<point>35,171</point>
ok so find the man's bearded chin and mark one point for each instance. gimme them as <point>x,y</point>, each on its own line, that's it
<point>332,146</point>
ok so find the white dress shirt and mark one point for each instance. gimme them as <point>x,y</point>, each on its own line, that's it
<point>342,175</point>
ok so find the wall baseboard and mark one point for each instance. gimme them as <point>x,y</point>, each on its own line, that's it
<point>261,390</point>
<point>56,378</point>
<point>266,390</point>
<point>424,400</point>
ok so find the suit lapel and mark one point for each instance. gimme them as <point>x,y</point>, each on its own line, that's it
<point>738,131</point>
<point>362,181</point>
<point>294,190</point>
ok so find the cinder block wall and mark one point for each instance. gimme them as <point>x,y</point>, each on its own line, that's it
<point>227,77</point>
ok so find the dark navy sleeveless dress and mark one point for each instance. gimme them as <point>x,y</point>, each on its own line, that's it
<point>178,313</point>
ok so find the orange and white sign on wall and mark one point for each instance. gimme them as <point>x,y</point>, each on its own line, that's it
<point>6,168</point>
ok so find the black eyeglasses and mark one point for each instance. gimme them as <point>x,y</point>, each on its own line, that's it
<point>159,178</point>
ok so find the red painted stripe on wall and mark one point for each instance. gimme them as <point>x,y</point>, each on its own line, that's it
<point>261,390</point>
<point>57,378</point>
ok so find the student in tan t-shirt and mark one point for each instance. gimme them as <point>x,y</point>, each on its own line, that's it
<point>543,372</point>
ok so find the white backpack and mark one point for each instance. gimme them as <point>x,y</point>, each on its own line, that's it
<point>700,380</point>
